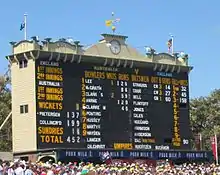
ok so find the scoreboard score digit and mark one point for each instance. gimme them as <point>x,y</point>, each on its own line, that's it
<point>94,107</point>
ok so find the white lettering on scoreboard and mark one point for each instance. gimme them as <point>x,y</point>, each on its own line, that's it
<point>92,109</point>
<point>141,123</point>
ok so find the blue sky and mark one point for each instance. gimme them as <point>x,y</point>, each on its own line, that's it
<point>195,25</point>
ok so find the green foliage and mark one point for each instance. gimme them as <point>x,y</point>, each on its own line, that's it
<point>5,109</point>
<point>205,116</point>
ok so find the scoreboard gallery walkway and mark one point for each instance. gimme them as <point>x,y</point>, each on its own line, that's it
<point>78,103</point>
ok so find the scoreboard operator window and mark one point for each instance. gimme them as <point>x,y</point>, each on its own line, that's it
<point>23,109</point>
<point>95,107</point>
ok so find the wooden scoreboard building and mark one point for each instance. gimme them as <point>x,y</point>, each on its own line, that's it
<point>69,102</point>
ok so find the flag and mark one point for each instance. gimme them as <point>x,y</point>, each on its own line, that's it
<point>108,23</point>
<point>105,157</point>
<point>214,147</point>
<point>169,44</point>
<point>22,26</point>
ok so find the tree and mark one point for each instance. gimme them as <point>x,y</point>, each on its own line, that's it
<point>5,109</point>
<point>205,116</point>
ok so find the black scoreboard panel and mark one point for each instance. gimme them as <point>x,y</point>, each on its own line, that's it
<point>90,106</point>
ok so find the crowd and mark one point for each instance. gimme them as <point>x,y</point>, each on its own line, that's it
<point>27,168</point>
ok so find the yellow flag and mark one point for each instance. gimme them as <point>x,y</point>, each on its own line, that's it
<point>108,23</point>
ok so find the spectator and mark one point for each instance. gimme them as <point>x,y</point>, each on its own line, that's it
<point>10,170</point>
<point>18,169</point>
<point>50,168</point>
<point>28,171</point>
<point>1,167</point>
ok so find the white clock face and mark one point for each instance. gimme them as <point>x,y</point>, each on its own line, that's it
<point>115,47</point>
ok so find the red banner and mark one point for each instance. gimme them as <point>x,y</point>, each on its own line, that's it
<point>214,146</point>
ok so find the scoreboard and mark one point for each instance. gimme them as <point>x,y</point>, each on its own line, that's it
<point>88,106</point>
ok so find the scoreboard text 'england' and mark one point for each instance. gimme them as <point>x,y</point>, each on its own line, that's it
<point>95,107</point>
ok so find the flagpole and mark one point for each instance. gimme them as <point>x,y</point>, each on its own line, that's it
<point>172,44</point>
<point>216,148</point>
<point>200,141</point>
<point>113,27</point>
<point>25,26</point>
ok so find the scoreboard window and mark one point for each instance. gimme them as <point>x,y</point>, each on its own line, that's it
<point>95,107</point>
